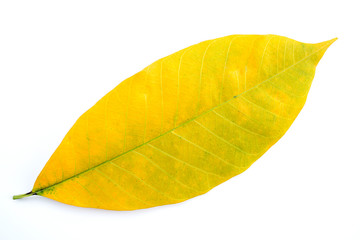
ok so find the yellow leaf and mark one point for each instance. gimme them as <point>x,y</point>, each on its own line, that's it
<point>183,125</point>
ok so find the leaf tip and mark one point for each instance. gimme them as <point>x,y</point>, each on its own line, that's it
<point>327,44</point>
<point>321,48</point>
<point>332,40</point>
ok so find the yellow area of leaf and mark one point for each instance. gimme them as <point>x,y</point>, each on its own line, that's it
<point>184,124</point>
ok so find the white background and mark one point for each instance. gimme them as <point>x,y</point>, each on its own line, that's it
<point>57,58</point>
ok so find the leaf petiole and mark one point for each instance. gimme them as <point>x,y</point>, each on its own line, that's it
<point>24,195</point>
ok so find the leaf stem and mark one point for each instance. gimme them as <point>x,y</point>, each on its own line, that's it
<point>24,195</point>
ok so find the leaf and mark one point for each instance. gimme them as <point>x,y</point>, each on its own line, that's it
<point>183,125</point>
